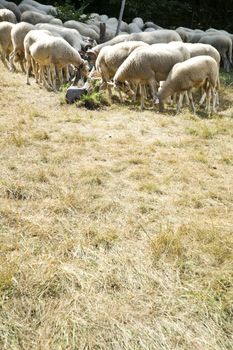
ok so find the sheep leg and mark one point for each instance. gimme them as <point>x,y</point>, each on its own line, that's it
<point>202,100</point>
<point>214,94</point>
<point>53,76</point>
<point>60,77</point>
<point>208,97</point>
<point>49,75</point>
<point>42,73</point>
<point>42,76</point>
<point>11,61</point>
<point>66,74</point>
<point>28,66</point>
<point>161,107</point>
<point>179,103</point>
<point>35,70</point>
<point>22,66</point>
<point>225,63</point>
<point>142,93</point>
<point>120,96</point>
<point>190,96</point>
<point>109,91</point>
<point>63,76</point>
<point>135,89</point>
<point>173,99</point>
<point>154,89</point>
<point>187,97</point>
<point>3,58</point>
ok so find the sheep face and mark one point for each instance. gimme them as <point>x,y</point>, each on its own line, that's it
<point>80,72</point>
<point>125,87</point>
<point>91,56</point>
<point>84,70</point>
<point>89,43</point>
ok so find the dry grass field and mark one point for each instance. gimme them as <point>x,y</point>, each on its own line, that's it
<point>116,226</point>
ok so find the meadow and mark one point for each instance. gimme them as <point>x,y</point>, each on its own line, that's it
<point>116,226</point>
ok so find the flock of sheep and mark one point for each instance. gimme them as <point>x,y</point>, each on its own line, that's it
<point>144,59</point>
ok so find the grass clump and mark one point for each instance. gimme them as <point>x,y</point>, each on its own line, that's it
<point>7,272</point>
<point>94,100</point>
<point>16,191</point>
<point>17,139</point>
<point>150,187</point>
<point>202,130</point>
<point>168,243</point>
<point>226,78</point>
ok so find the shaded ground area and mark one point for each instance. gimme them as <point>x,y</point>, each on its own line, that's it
<point>115,225</point>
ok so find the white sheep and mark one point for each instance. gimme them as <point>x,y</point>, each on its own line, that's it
<point>55,53</point>
<point>134,28</point>
<point>30,38</point>
<point>72,36</point>
<point>83,29</point>
<point>12,7</point>
<point>46,8</point>
<point>35,17</point>
<point>18,33</point>
<point>151,25</point>
<point>103,18</point>
<point>158,36</point>
<point>223,44</point>
<point>26,7</point>
<point>199,49</point>
<point>111,57</point>
<point>200,71</point>
<point>139,22</point>
<point>7,15</point>
<point>5,41</point>
<point>148,66</point>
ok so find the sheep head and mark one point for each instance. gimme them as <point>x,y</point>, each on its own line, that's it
<point>123,86</point>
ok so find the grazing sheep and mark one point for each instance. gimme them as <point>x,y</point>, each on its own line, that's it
<point>103,18</point>
<point>124,27</point>
<point>35,17</point>
<point>46,8</point>
<point>27,7</point>
<point>5,41</point>
<point>200,71</point>
<point>194,37</point>
<point>223,44</point>
<point>56,22</point>
<point>83,29</point>
<point>134,28</point>
<point>7,15</point>
<point>72,36</point>
<point>199,49</point>
<point>111,57</point>
<point>139,22</point>
<point>148,66</point>
<point>183,34</point>
<point>152,25</point>
<point>94,17</point>
<point>158,36</point>
<point>31,38</point>
<point>18,33</point>
<point>149,29</point>
<point>55,53</point>
<point>12,7</point>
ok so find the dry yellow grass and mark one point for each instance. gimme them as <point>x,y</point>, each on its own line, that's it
<point>115,226</point>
